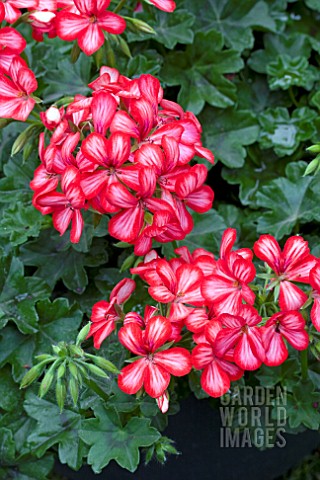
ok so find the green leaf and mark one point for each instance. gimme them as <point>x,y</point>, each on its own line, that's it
<point>68,79</point>
<point>19,222</point>
<point>260,168</point>
<point>170,29</point>
<point>302,406</point>
<point>54,428</point>
<point>254,94</point>
<point>7,446</point>
<point>227,132</point>
<point>15,185</point>
<point>56,258</point>
<point>150,61</point>
<point>233,19</point>
<point>10,394</point>
<point>57,321</point>
<point>313,4</point>
<point>285,72</point>
<point>122,443</point>
<point>200,71</point>
<point>283,132</point>
<point>291,45</point>
<point>288,201</point>
<point>18,297</point>
<point>287,374</point>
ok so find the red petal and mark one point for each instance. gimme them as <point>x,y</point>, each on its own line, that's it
<point>131,337</point>
<point>176,361</point>
<point>131,378</point>
<point>268,250</point>
<point>156,380</point>
<point>291,297</point>
<point>126,225</point>
<point>103,108</point>
<point>123,290</point>
<point>157,332</point>
<point>90,39</point>
<point>244,356</point>
<point>214,380</point>
<point>62,219</point>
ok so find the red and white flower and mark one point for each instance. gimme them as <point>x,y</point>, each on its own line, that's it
<point>292,264</point>
<point>153,370</point>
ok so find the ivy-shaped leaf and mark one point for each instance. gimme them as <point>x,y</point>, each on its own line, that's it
<point>170,29</point>
<point>20,221</point>
<point>233,19</point>
<point>18,297</point>
<point>288,201</point>
<point>285,72</point>
<point>227,132</point>
<point>282,44</point>
<point>56,258</point>
<point>68,79</point>
<point>57,321</point>
<point>302,406</point>
<point>54,428</point>
<point>283,132</point>
<point>109,440</point>
<point>200,71</point>
<point>260,168</point>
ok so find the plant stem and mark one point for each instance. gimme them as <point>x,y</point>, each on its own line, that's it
<point>93,386</point>
<point>119,6</point>
<point>293,98</point>
<point>304,364</point>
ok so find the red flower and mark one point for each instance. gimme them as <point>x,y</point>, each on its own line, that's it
<point>153,369</point>
<point>178,287</point>
<point>104,315</point>
<point>165,5</point>
<point>289,325</point>
<point>89,25</point>
<point>12,8</point>
<point>217,372</point>
<point>293,264</point>
<point>15,93</point>
<point>241,333</point>
<point>66,206</point>
<point>228,286</point>
<point>315,284</point>
<point>12,43</point>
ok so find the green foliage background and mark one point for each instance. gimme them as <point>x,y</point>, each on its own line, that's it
<point>250,71</point>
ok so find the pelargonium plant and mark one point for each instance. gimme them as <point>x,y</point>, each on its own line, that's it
<point>119,167</point>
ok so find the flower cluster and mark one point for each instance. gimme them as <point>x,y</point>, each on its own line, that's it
<point>86,21</point>
<point>214,301</point>
<point>17,81</point>
<point>126,151</point>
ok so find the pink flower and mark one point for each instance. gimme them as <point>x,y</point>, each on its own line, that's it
<point>12,8</point>
<point>289,325</point>
<point>315,284</point>
<point>217,372</point>
<point>165,5</point>
<point>178,286</point>
<point>66,206</point>
<point>89,25</point>
<point>228,286</point>
<point>15,93</point>
<point>293,264</point>
<point>104,314</point>
<point>12,43</point>
<point>241,333</point>
<point>153,370</point>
